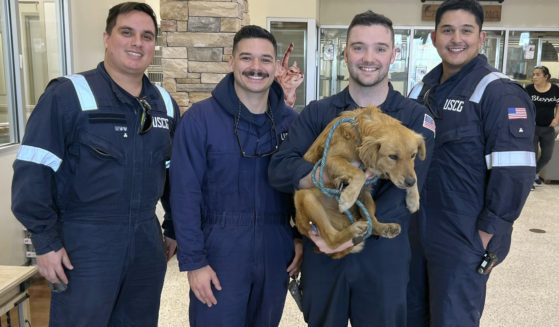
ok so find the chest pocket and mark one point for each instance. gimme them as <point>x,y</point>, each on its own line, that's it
<point>100,169</point>
<point>156,161</point>
<point>461,148</point>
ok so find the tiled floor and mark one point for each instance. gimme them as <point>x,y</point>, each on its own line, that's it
<point>522,292</point>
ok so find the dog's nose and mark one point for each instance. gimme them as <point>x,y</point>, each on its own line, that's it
<point>410,181</point>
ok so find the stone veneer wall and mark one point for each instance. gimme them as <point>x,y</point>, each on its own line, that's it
<point>197,40</point>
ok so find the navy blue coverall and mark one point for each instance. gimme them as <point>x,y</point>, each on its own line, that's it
<point>368,287</point>
<point>480,176</point>
<point>85,180</point>
<point>226,214</point>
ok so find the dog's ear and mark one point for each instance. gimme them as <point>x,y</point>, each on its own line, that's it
<point>421,151</point>
<point>368,150</point>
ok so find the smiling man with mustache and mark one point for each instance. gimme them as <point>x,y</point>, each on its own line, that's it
<point>232,227</point>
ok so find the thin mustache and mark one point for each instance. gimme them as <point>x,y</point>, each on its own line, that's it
<point>258,73</point>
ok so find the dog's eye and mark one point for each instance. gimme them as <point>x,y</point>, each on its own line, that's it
<point>413,155</point>
<point>393,157</point>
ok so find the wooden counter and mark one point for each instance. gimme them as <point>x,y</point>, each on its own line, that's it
<point>13,290</point>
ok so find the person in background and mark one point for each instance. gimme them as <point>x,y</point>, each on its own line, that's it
<point>87,178</point>
<point>479,178</point>
<point>545,96</point>
<point>369,287</point>
<point>233,231</point>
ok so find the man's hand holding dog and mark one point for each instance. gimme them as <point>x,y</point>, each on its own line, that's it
<point>305,183</point>
<point>200,281</point>
<point>323,247</point>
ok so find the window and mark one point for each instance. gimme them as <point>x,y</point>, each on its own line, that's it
<point>7,119</point>
<point>527,49</point>
<point>32,54</point>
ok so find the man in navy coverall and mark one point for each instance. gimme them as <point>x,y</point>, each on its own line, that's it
<point>369,287</point>
<point>482,169</point>
<point>87,178</point>
<point>232,227</point>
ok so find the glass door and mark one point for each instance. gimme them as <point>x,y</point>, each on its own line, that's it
<point>302,33</point>
<point>333,73</point>
<point>527,49</point>
<point>424,56</point>
<point>399,69</point>
<point>41,50</point>
<point>493,47</point>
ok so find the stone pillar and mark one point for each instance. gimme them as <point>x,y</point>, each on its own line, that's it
<point>197,41</point>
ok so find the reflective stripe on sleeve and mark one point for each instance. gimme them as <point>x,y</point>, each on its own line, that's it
<point>87,100</point>
<point>167,100</point>
<point>39,156</point>
<point>414,94</point>
<point>482,85</point>
<point>510,159</point>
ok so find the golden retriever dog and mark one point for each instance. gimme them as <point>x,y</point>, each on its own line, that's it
<point>385,148</point>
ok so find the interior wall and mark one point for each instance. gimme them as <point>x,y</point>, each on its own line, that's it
<point>11,233</point>
<point>259,10</point>
<point>514,13</point>
<point>87,39</point>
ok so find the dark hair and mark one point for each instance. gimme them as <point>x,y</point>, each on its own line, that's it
<point>253,31</point>
<point>471,6</point>
<point>126,7</point>
<point>369,18</point>
<point>545,71</point>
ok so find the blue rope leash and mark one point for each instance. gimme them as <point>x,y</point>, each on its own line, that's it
<point>334,193</point>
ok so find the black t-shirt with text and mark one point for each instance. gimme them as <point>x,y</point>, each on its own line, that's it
<point>545,103</point>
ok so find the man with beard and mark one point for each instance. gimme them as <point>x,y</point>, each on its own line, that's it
<point>369,287</point>
<point>232,227</point>
<point>483,168</point>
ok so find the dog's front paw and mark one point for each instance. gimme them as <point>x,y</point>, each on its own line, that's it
<point>412,204</point>
<point>359,228</point>
<point>347,199</point>
<point>391,230</point>
<point>412,199</point>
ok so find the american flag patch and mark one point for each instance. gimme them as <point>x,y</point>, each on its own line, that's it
<point>517,113</point>
<point>429,123</point>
